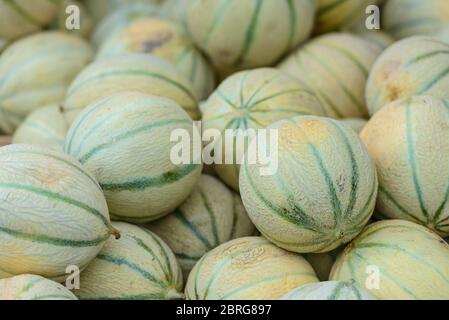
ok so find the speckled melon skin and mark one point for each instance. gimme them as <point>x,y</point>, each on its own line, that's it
<point>409,143</point>
<point>124,140</point>
<point>410,67</point>
<point>168,40</point>
<point>211,215</point>
<point>46,126</point>
<point>336,66</point>
<point>249,268</point>
<point>129,72</point>
<point>416,17</point>
<point>31,287</point>
<point>329,290</point>
<point>22,17</point>
<point>412,260</point>
<point>240,35</point>
<point>355,124</point>
<point>53,213</point>
<point>253,100</point>
<point>36,71</point>
<point>322,194</point>
<point>139,266</point>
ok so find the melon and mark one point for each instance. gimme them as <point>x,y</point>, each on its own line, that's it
<point>129,72</point>
<point>125,141</point>
<point>253,100</point>
<point>139,266</point>
<point>379,38</point>
<point>329,290</point>
<point>240,35</point>
<point>165,39</point>
<point>249,268</point>
<point>174,10</point>
<point>36,71</point>
<point>397,259</point>
<point>46,126</point>
<point>31,287</point>
<point>100,9</point>
<point>53,213</point>
<point>336,66</point>
<point>409,142</point>
<point>323,192</point>
<point>410,67</point>
<point>417,17</point>
<point>22,17</point>
<point>211,215</point>
<point>322,262</point>
<point>356,124</point>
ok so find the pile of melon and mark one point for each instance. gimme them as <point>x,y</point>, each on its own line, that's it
<point>357,208</point>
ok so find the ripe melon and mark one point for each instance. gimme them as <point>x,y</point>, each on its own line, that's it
<point>165,39</point>
<point>46,126</point>
<point>336,67</point>
<point>409,143</point>
<point>139,266</point>
<point>129,72</point>
<point>253,100</point>
<point>415,17</point>
<point>329,290</point>
<point>323,192</point>
<point>413,66</point>
<point>31,287</point>
<point>53,213</point>
<point>355,124</point>
<point>36,71</point>
<point>124,140</point>
<point>249,268</point>
<point>397,259</point>
<point>240,35</point>
<point>211,215</point>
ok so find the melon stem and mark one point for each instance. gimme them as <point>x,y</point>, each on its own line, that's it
<point>115,232</point>
<point>173,294</point>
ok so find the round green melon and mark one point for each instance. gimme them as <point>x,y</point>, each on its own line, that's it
<point>240,35</point>
<point>31,287</point>
<point>124,140</point>
<point>249,268</point>
<point>129,72</point>
<point>415,17</point>
<point>53,213</point>
<point>356,124</point>
<point>409,142</point>
<point>323,192</point>
<point>336,66</point>
<point>167,40</point>
<point>46,126</point>
<point>36,71</point>
<point>413,66</point>
<point>397,259</point>
<point>139,266</point>
<point>329,290</point>
<point>211,215</point>
<point>253,100</point>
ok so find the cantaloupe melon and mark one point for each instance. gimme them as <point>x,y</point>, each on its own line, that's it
<point>397,259</point>
<point>355,124</point>
<point>409,143</point>
<point>249,268</point>
<point>165,39</point>
<point>124,140</point>
<point>36,71</point>
<point>323,192</point>
<point>211,215</point>
<point>414,17</point>
<point>336,66</point>
<point>413,66</point>
<point>45,126</point>
<point>253,100</point>
<point>139,266</point>
<point>31,287</point>
<point>53,213</point>
<point>129,72</point>
<point>329,290</point>
<point>240,35</point>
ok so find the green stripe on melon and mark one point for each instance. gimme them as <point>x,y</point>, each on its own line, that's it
<point>323,192</point>
<point>248,268</point>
